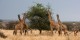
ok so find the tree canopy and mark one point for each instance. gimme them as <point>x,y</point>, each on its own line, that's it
<point>38,17</point>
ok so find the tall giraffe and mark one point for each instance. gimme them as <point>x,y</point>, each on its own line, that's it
<point>52,22</point>
<point>62,26</point>
<point>22,26</point>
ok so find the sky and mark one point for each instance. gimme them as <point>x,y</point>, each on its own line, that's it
<point>68,10</point>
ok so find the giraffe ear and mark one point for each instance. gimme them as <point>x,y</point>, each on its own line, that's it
<point>19,17</point>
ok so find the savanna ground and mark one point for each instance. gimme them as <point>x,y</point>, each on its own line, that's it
<point>36,36</point>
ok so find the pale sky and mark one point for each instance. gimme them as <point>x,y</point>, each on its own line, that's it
<point>69,10</point>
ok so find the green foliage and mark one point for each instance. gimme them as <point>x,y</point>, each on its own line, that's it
<point>38,17</point>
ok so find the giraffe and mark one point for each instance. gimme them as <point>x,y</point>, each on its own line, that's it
<point>62,26</point>
<point>75,29</point>
<point>22,26</point>
<point>52,23</point>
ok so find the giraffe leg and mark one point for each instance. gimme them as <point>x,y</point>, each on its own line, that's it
<point>21,32</point>
<point>14,32</point>
<point>51,30</point>
<point>65,32</point>
<point>25,32</point>
<point>60,33</point>
<point>75,33</point>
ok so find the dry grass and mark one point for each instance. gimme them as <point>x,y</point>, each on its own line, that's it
<point>36,36</point>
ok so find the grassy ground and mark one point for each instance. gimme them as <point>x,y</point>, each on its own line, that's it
<point>36,36</point>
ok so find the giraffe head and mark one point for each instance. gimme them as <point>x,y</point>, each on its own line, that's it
<point>57,15</point>
<point>21,20</point>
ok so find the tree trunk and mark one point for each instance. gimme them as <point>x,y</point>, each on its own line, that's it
<point>31,31</point>
<point>40,31</point>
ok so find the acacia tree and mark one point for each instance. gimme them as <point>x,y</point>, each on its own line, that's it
<point>38,17</point>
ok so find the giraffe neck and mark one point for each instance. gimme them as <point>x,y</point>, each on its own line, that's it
<point>49,17</point>
<point>59,22</point>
